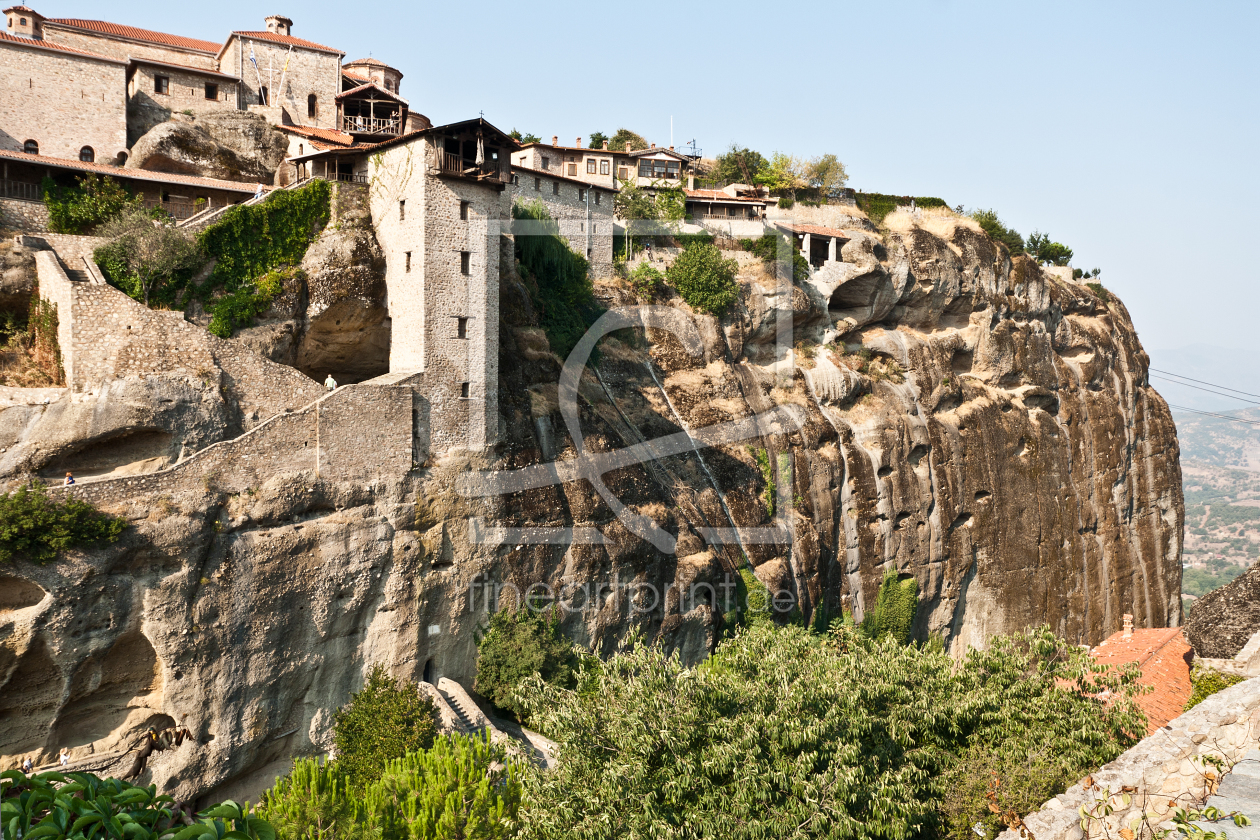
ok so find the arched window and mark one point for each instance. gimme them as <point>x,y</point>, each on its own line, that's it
<point>30,147</point>
<point>312,106</point>
<point>87,154</point>
<point>121,160</point>
<point>262,95</point>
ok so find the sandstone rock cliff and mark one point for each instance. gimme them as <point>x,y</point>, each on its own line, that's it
<point>967,419</point>
<point>230,145</point>
<point>1222,621</point>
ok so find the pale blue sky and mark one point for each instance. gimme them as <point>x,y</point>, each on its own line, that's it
<point>1126,130</point>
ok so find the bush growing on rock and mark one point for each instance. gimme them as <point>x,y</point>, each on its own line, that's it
<point>705,279</point>
<point>518,644</point>
<point>894,609</point>
<point>992,225</point>
<point>647,281</point>
<point>149,259</point>
<point>80,209</point>
<point>35,525</point>
<point>383,721</point>
<point>557,278</point>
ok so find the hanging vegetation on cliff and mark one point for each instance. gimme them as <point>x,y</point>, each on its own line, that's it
<point>37,526</point>
<point>557,278</point>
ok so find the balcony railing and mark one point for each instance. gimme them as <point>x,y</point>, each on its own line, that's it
<point>344,177</point>
<point>451,164</point>
<point>179,209</point>
<point>20,190</point>
<point>370,125</point>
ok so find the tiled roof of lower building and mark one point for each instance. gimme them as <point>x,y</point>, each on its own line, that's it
<point>132,174</point>
<point>542,173</point>
<point>370,84</point>
<point>321,135</point>
<point>1164,657</point>
<point>287,40</point>
<point>184,68</point>
<point>718,195</point>
<point>48,45</point>
<point>136,34</point>
<point>816,229</point>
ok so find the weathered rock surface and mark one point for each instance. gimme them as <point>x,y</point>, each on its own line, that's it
<point>966,419</point>
<point>231,145</point>
<point>1222,621</point>
<point>17,278</point>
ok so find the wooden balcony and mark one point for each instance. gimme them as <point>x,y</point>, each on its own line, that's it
<point>490,170</point>
<point>354,124</point>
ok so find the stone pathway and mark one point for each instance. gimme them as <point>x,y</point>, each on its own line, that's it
<point>1239,791</point>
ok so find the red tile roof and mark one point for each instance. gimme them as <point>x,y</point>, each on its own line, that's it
<point>321,135</point>
<point>817,229</point>
<point>371,62</point>
<point>542,173</point>
<point>285,39</point>
<point>23,10</point>
<point>1164,657</point>
<point>48,45</point>
<point>355,76</point>
<point>367,85</point>
<point>105,28</point>
<point>200,71</point>
<point>718,195</point>
<point>132,174</point>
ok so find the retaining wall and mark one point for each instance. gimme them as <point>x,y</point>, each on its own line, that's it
<point>1163,768</point>
<point>23,215</point>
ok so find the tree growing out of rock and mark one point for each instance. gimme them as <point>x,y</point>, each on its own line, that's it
<point>37,526</point>
<point>1046,251</point>
<point>705,279</point>
<point>517,644</point>
<point>146,255</point>
<point>383,721</point>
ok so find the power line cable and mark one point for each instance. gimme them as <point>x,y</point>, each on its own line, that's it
<point>1201,382</point>
<point>1212,414</point>
<point>1208,390</point>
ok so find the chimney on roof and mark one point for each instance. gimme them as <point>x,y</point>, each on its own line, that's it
<point>24,21</point>
<point>579,143</point>
<point>555,141</point>
<point>627,148</point>
<point>653,145</point>
<point>279,24</point>
<point>671,148</point>
<point>1128,626</point>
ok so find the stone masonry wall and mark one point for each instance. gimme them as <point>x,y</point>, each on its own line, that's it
<point>122,48</point>
<point>1163,768</point>
<point>63,102</point>
<point>356,433</point>
<point>23,215</point>
<point>186,92</point>
<point>587,223</point>
<point>310,71</point>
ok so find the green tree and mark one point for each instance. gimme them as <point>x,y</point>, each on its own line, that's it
<point>782,175</point>
<point>524,139</point>
<point>558,279</point>
<point>783,734</point>
<point>1047,252</point>
<point>826,175</point>
<point>80,209</point>
<point>705,279</point>
<point>741,165</point>
<point>383,721</point>
<point>894,609</point>
<point>517,644</point>
<point>81,806</point>
<point>624,136</point>
<point>146,256</point>
<point>36,526</point>
<point>597,140</point>
<point>992,225</point>
<point>646,281</point>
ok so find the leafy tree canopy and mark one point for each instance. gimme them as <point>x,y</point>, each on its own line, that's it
<point>783,174</point>
<point>826,175</point>
<point>624,136</point>
<point>524,139</point>
<point>517,644</point>
<point>35,525</point>
<point>597,140</point>
<point>383,721</point>
<point>147,258</point>
<point>704,278</point>
<point>80,209</point>
<point>786,734</point>
<point>1047,252</point>
<point>992,225</point>
<point>740,165</point>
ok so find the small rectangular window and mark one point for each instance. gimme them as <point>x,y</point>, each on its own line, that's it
<point>463,211</point>
<point>555,188</point>
<point>581,194</point>
<point>546,161</point>
<point>597,198</point>
<point>162,84</point>
<point>621,173</point>
<point>465,390</point>
<point>572,169</point>
<point>538,183</point>
<point>465,262</point>
<point>408,261</point>
<point>590,166</point>
<point>603,167</point>
<point>212,91</point>
<point>402,210</point>
<point>461,328</point>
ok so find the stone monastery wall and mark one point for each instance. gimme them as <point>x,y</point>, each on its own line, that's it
<point>1163,768</point>
<point>23,215</point>
<point>587,227</point>
<point>123,48</point>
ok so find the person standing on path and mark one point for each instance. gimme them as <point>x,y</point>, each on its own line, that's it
<point>69,479</point>
<point>330,383</point>
<point>27,766</point>
<point>64,757</point>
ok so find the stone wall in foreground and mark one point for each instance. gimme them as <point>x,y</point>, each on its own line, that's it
<point>1164,771</point>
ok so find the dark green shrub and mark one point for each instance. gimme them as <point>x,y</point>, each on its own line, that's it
<point>1207,682</point>
<point>1098,289</point>
<point>241,307</point>
<point>768,247</point>
<point>557,278</point>
<point>705,279</point>
<point>383,721</point>
<point>895,606</point>
<point>992,225</point>
<point>151,260</point>
<point>517,644</point>
<point>80,209</point>
<point>878,205</point>
<point>36,526</point>
<point>1043,250</point>
<point>686,240</point>
<point>647,281</point>
<point>786,202</point>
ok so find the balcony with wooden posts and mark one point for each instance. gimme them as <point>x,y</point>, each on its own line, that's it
<point>370,112</point>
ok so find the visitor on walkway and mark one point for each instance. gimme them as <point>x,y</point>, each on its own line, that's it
<point>259,191</point>
<point>69,479</point>
<point>27,766</point>
<point>64,757</point>
<point>330,383</point>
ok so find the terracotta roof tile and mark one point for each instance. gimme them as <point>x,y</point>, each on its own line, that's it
<point>718,195</point>
<point>48,45</point>
<point>23,10</point>
<point>285,39</point>
<point>133,174</point>
<point>1164,657</point>
<point>355,76</point>
<point>200,71</point>
<point>371,62</point>
<point>136,34</point>
<point>371,84</point>
<point>542,173</point>
<point>326,135</point>
<point>817,229</point>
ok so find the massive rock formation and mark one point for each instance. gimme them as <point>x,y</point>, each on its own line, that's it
<point>1222,622</point>
<point>229,145</point>
<point>965,418</point>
